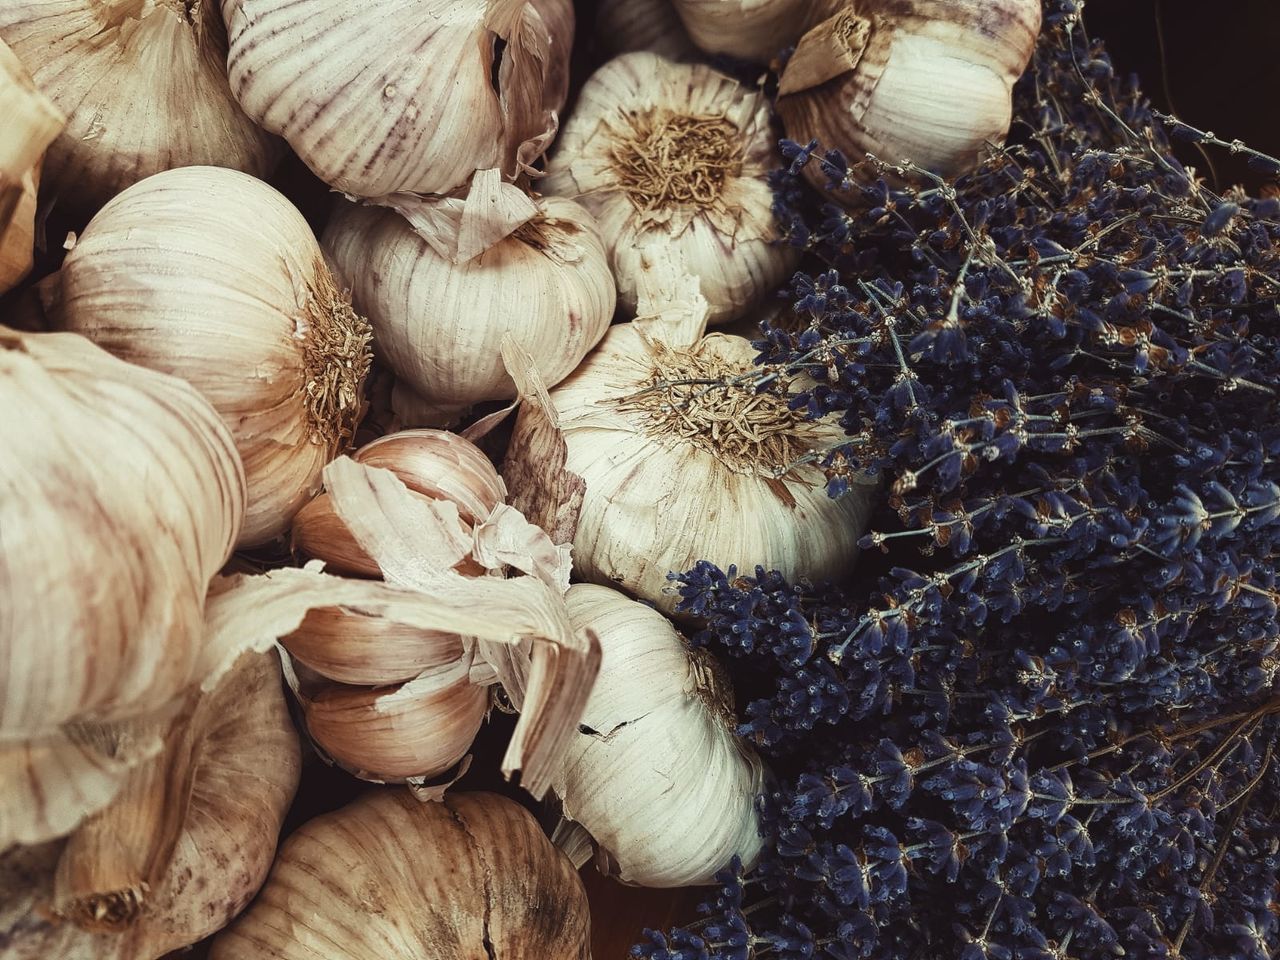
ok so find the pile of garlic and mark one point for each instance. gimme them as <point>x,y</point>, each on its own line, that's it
<point>229,516</point>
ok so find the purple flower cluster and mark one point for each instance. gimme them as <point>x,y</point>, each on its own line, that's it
<point>1047,728</point>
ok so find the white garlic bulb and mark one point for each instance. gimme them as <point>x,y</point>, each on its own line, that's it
<point>929,81</point>
<point>121,495</point>
<point>403,96</point>
<point>30,122</point>
<point>657,774</point>
<point>747,29</point>
<point>439,324</point>
<point>672,161</point>
<point>213,276</point>
<point>144,85</point>
<point>684,460</point>
<point>623,26</point>
<point>386,876</point>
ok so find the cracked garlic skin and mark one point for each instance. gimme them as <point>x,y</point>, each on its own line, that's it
<point>925,81</point>
<point>403,96</point>
<point>213,276</point>
<point>673,467</point>
<point>144,86</point>
<point>672,161</point>
<point>468,878</point>
<point>657,774</point>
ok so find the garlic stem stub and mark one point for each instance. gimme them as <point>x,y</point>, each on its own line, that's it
<point>213,276</point>
<point>673,160</point>
<point>747,29</point>
<point>144,86</point>
<point>925,81</point>
<point>403,97</point>
<point>121,496</point>
<point>657,775</point>
<point>387,876</point>
<point>439,323</point>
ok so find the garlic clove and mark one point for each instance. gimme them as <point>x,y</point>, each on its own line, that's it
<point>213,276</point>
<point>470,876</point>
<point>748,29</point>
<point>144,85</point>
<point>318,532</point>
<point>442,466</point>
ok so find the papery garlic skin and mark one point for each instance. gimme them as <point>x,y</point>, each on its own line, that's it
<point>439,325</point>
<point>672,161</point>
<point>624,26</point>
<point>213,276</point>
<point>144,86</point>
<point>746,29</point>
<point>388,876</point>
<point>657,775</point>
<point>244,766</point>
<point>663,492</point>
<point>406,96</point>
<point>926,81</point>
<point>121,495</point>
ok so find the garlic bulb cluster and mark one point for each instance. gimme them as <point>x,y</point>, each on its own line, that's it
<point>440,312</point>
<point>624,26</point>
<point>929,81</point>
<point>182,849</point>
<point>676,445</point>
<point>746,29</point>
<point>672,160</point>
<point>30,123</point>
<point>144,87</point>
<point>406,97</point>
<point>386,876</point>
<point>657,775</point>
<point>213,276</point>
<point>121,495</point>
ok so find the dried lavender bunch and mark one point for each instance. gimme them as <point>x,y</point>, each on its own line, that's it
<point>1048,730</point>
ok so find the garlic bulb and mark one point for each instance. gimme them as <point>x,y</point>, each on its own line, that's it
<point>182,850</point>
<point>439,323</point>
<point>657,775</point>
<point>623,26</point>
<point>929,81</point>
<point>144,85</point>
<point>405,96</point>
<point>684,461</point>
<point>433,464</point>
<point>746,29</point>
<point>213,276</point>
<point>672,160</point>
<point>30,123</point>
<point>120,497</point>
<point>387,876</point>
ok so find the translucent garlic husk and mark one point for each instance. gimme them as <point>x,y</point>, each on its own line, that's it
<point>672,466</point>
<point>657,775</point>
<point>746,29</point>
<point>213,276</point>
<point>672,161</point>
<point>624,26</point>
<point>457,85</point>
<point>144,87</point>
<point>439,320</point>
<point>471,876</point>
<point>121,495</point>
<point>927,81</point>
<point>180,852</point>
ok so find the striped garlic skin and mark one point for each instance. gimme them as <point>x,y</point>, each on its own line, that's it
<point>470,877</point>
<point>121,495</point>
<point>144,86</point>
<point>657,775</point>
<point>747,29</point>
<point>728,240</point>
<point>440,325</point>
<point>402,96</point>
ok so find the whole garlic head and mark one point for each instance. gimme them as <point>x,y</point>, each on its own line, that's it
<point>929,81</point>
<point>213,276</point>
<point>747,29</point>
<point>406,96</point>
<point>672,160</point>
<point>657,775</point>
<point>387,876</point>
<point>623,26</point>
<point>144,86</point>
<point>439,324</point>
